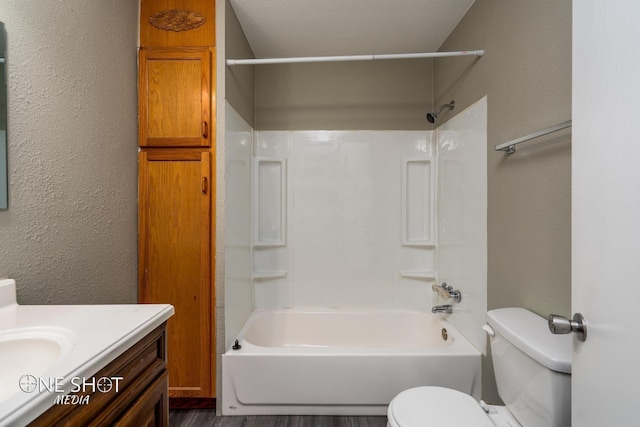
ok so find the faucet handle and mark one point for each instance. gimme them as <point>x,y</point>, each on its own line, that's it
<point>447,292</point>
<point>456,295</point>
<point>441,291</point>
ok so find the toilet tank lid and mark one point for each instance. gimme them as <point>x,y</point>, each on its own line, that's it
<point>530,333</point>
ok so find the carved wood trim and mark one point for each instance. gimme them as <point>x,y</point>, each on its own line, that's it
<point>177,20</point>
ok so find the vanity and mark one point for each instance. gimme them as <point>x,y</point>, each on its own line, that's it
<point>82,364</point>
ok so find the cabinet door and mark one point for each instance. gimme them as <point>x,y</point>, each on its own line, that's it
<point>174,96</point>
<point>175,260</point>
<point>151,409</point>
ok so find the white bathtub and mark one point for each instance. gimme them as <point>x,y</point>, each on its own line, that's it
<point>342,361</point>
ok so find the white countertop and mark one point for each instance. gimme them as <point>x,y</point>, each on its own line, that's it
<point>99,334</point>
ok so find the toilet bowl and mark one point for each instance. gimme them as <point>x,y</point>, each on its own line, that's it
<point>444,407</point>
<point>533,375</point>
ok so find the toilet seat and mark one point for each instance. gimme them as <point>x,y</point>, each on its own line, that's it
<point>436,406</point>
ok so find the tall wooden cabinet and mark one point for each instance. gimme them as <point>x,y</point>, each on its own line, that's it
<point>176,95</point>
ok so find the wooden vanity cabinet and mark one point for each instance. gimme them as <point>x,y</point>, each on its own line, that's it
<point>142,396</point>
<point>175,259</point>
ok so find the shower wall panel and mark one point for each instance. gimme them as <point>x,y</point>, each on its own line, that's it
<point>346,199</point>
<point>238,285</point>
<point>462,216</point>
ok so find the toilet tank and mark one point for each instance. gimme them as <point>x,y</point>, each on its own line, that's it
<point>532,367</point>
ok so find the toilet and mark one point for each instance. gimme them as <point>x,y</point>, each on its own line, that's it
<point>533,375</point>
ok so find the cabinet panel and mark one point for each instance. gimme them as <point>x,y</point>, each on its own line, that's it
<point>175,259</point>
<point>143,388</point>
<point>196,10</point>
<point>151,408</point>
<point>174,91</point>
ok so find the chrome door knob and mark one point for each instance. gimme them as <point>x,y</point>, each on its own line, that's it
<point>562,325</point>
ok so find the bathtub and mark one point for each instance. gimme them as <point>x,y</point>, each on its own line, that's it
<point>342,361</point>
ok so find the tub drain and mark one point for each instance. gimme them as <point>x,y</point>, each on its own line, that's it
<point>444,334</point>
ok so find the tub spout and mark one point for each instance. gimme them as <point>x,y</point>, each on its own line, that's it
<point>447,308</point>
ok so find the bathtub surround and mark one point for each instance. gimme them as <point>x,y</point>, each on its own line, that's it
<point>342,241</point>
<point>350,219</point>
<point>237,255</point>
<point>462,216</point>
<point>359,211</point>
<point>237,86</point>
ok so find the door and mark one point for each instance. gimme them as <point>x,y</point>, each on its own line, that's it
<point>606,211</point>
<point>175,97</point>
<point>175,260</point>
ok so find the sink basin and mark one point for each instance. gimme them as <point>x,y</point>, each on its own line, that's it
<point>27,353</point>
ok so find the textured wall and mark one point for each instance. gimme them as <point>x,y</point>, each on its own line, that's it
<point>526,74</point>
<point>69,235</point>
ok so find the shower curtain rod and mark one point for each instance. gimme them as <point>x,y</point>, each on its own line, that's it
<point>259,61</point>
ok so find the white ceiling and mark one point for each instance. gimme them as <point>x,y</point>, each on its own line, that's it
<point>286,28</point>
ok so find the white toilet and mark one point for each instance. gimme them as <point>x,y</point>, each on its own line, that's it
<point>533,374</point>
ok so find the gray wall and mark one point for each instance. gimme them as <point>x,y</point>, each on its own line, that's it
<point>376,95</point>
<point>70,233</point>
<point>526,73</point>
<point>239,80</point>
<point>356,95</point>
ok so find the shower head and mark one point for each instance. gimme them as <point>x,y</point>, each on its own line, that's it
<point>432,117</point>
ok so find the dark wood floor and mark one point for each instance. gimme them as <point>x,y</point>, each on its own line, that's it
<point>207,418</point>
